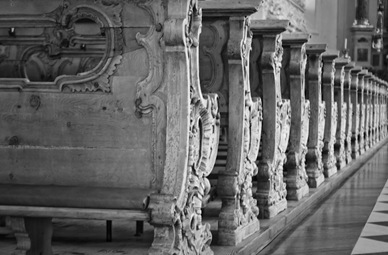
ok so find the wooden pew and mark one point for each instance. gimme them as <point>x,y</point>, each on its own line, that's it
<point>361,103</point>
<point>224,59</point>
<point>132,137</point>
<point>329,160</point>
<point>314,163</point>
<point>355,86</point>
<point>271,189</point>
<point>349,113</point>
<point>342,109</point>
<point>293,89</point>
<point>367,101</point>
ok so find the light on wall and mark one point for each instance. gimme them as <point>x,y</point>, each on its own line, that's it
<point>377,39</point>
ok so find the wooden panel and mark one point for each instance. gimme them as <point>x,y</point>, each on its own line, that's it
<point>78,213</point>
<point>76,166</point>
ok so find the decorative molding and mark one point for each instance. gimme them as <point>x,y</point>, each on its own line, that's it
<point>60,39</point>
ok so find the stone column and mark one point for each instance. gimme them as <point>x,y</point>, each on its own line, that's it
<point>339,79</point>
<point>329,160</point>
<point>314,164</point>
<point>271,189</point>
<point>355,86</point>
<point>293,84</point>
<point>361,141</point>
<point>349,113</point>
<point>367,79</point>
<point>224,57</point>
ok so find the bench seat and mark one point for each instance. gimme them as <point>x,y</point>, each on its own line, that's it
<point>73,197</point>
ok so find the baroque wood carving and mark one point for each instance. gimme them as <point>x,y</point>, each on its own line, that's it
<point>271,189</point>
<point>339,146</point>
<point>356,111</point>
<point>329,159</point>
<point>176,210</point>
<point>361,104</point>
<point>314,163</point>
<point>349,113</point>
<point>296,177</point>
<point>57,57</point>
<point>238,216</point>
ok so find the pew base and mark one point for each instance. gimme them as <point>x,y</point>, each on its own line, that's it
<point>297,193</point>
<point>229,237</point>
<point>315,182</point>
<point>268,212</point>
<point>330,171</point>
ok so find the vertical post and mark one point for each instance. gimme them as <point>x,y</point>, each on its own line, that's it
<point>271,189</point>
<point>349,113</point>
<point>339,79</point>
<point>314,164</point>
<point>367,83</point>
<point>355,86</point>
<point>361,104</point>
<point>227,44</point>
<point>294,85</point>
<point>329,161</point>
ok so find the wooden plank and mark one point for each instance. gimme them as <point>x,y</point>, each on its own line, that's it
<point>76,166</point>
<point>76,213</point>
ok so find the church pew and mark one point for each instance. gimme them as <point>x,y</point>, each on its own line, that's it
<point>342,109</point>
<point>367,101</point>
<point>131,138</point>
<point>329,160</point>
<point>293,89</point>
<point>314,163</point>
<point>349,113</point>
<point>225,46</point>
<point>361,103</point>
<point>355,86</point>
<point>265,83</point>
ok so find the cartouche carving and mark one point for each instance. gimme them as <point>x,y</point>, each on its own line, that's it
<point>86,63</point>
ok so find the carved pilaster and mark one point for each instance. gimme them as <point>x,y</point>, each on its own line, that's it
<point>342,108</point>
<point>33,235</point>
<point>329,160</point>
<point>293,84</point>
<point>314,163</point>
<point>361,103</point>
<point>271,189</point>
<point>349,113</point>
<point>226,59</point>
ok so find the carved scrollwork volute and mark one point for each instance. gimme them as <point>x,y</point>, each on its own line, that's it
<point>192,138</point>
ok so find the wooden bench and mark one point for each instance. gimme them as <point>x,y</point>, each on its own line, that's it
<point>102,117</point>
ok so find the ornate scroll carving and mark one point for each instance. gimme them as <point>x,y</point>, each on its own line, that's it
<point>349,113</point>
<point>82,63</point>
<point>314,164</point>
<point>375,111</point>
<point>329,159</point>
<point>238,216</point>
<point>271,189</point>
<point>192,134</point>
<point>296,177</point>
<point>339,146</point>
